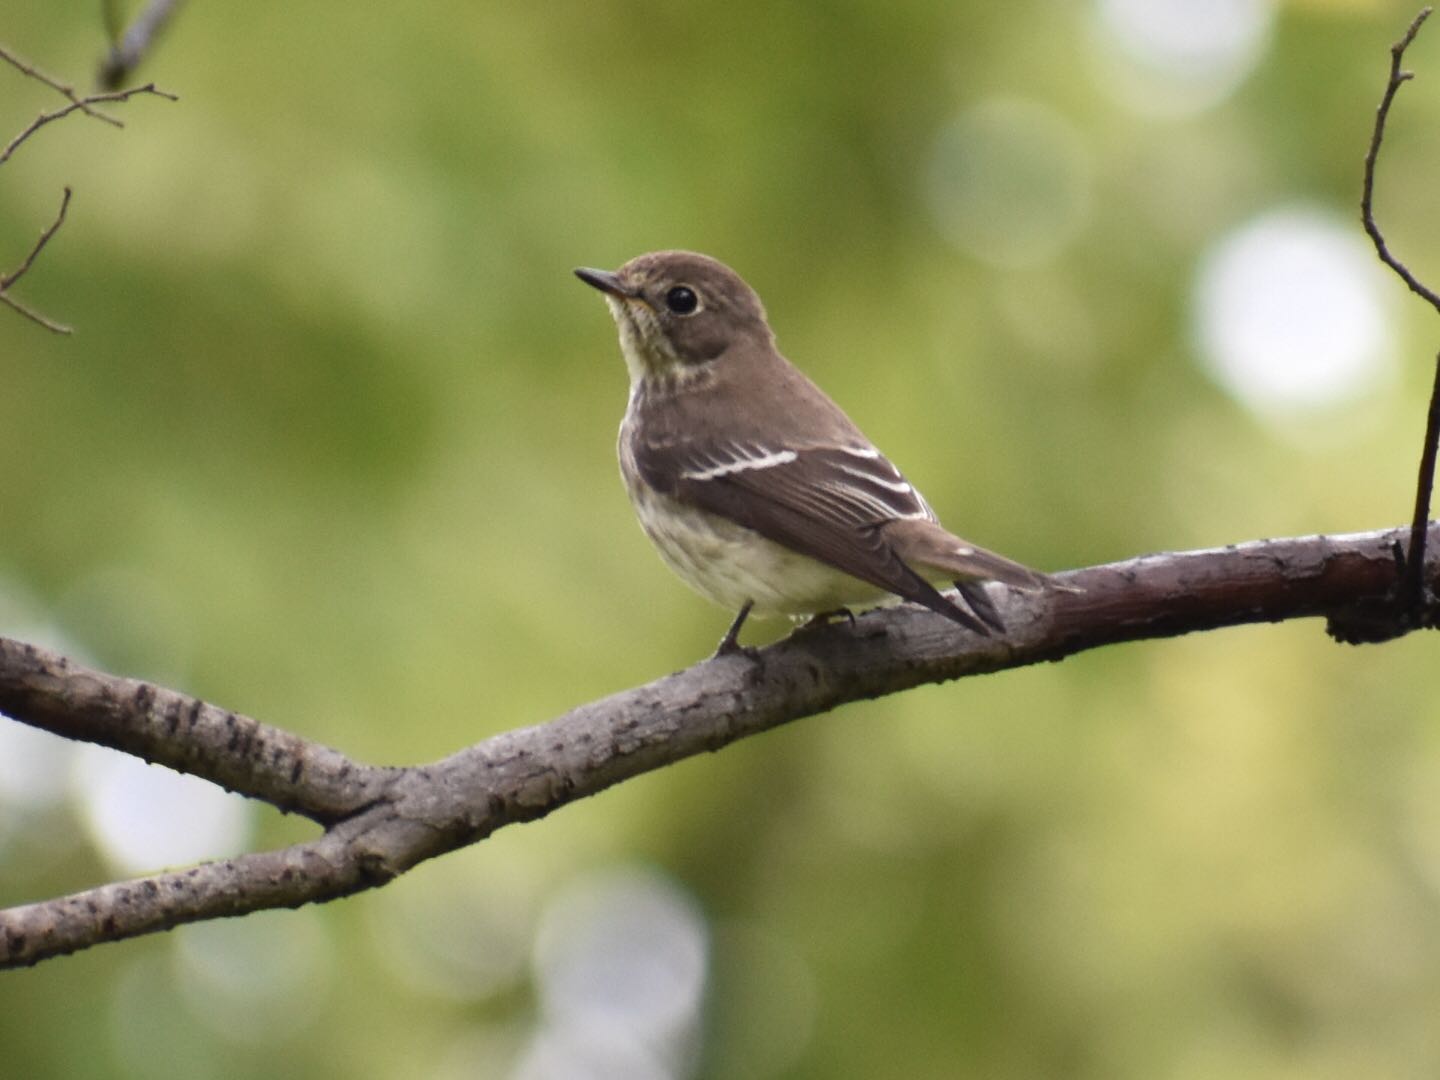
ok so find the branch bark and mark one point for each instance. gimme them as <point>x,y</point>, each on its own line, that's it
<point>380,822</point>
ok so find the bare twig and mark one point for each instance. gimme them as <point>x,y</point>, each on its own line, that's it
<point>1412,586</point>
<point>33,315</point>
<point>126,56</point>
<point>15,275</point>
<point>381,822</point>
<point>83,105</point>
<point>55,84</point>
<point>76,104</point>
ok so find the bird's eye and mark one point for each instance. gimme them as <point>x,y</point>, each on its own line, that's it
<point>682,300</point>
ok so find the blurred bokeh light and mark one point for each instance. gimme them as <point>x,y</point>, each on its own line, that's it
<point>259,981</point>
<point>460,936</point>
<point>1290,313</point>
<point>1010,182</point>
<point>620,966</point>
<point>147,817</point>
<point>1178,56</point>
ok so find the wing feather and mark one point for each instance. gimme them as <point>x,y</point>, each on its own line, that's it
<point>827,502</point>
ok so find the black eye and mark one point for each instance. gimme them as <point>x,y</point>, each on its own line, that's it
<point>682,300</point>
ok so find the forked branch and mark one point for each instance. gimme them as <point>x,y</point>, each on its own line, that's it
<point>380,822</point>
<point>15,275</point>
<point>1412,587</point>
<point>75,103</point>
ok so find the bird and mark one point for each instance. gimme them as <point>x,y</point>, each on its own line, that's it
<point>753,485</point>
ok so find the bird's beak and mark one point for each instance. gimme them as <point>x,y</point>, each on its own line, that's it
<point>607,282</point>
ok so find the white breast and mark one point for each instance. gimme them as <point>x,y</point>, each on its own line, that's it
<point>732,565</point>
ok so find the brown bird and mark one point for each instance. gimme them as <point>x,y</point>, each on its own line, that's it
<point>754,486</point>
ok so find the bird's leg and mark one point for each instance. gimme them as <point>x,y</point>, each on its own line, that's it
<point>730,643</point>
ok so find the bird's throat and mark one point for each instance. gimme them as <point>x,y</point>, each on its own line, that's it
<point>643,343</point>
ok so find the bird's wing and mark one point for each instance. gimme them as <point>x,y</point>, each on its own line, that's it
<point>832,503</point>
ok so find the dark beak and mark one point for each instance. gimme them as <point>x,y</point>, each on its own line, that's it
<point>606,282</point>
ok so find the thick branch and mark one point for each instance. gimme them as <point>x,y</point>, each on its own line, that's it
<point>384,821</point>
<point>48,691</point>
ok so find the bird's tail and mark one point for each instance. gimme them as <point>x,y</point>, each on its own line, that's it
<point>930,550</point>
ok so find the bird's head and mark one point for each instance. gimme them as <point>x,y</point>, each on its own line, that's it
<point>677,311</point>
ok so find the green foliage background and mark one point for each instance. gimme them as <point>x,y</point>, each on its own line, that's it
<point>332,445</point>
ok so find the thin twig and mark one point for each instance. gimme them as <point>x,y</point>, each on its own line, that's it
<point>33,315</point>
<point>76,104</point>
<point>83,105</point>
<point>126,56</point>
<point>15,275</point>
<point>1412,591</point>
<point>1397,77</point>
<point>1414,583</point>
<point>55,84</point>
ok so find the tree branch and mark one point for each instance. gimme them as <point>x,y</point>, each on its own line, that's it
<point>1398,78</point>
<point>1411,596</point>
<point>383,821</point>
<point>1413,590</point>
<point>80,105</point>
<point>31,71</point>
<point>15,275</point>
<point>162,726</point>
<point>77,104</point>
